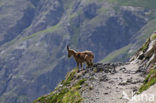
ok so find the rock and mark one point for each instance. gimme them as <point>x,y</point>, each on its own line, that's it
<point>129,80</point>
<point>141,55</point>
<point>106,93</point>
<point>123,83</point>
<point>123,69</point>
<point>152,60</point>
<point>151,48</point>
<point>103,78</point>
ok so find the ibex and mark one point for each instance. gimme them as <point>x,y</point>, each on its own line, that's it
<point>81,57</point>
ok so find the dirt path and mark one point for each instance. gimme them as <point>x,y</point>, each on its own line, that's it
<point>112,87</point>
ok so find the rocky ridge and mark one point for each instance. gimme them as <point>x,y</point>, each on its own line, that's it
<point>105,83</point>
<point>110,82</point>
<point>146,55</point>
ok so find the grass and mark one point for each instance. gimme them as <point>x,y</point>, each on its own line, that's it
<point>103,10</point>
<point>80,82</point>
<point>71,96</point>
<point>151,77</point>
<point>69,77</point>
<point>149,80</point>
<point>136,3</point>
<point>11,42</point>
<point>67,93</point>
<point>115,53</point>
<point>55,98</point>
<point>20,38</point>
<point>72,16</point>
<point>68,4</point>
<point>153,36</point>
<point>145,45</point>
<point>50,29</point>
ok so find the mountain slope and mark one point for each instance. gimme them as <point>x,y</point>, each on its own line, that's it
<point>35,34</point>
<point>127,51</point>
<point>111,82</point>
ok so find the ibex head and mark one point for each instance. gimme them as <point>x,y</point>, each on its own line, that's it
<point>69,52</point>
<point>67,47</point>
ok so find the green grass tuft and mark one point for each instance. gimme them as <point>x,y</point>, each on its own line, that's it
<point>80,82</point>
<point>57,98</point>
<point>153,36</point>
<point>145,45</point>
<point>149,80</point>
<point>69,77</point>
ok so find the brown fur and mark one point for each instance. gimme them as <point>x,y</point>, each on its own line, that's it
<point>81,57</point>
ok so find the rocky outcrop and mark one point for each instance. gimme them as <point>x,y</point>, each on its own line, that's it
<point>146,55</point>
<point>146,58</point>
<point>112,82</point>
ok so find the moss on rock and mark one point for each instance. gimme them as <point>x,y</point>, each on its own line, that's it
<point>149,80</point>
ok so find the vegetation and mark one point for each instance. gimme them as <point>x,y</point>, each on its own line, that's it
<point>153,36</point>
<point>67,4</point>
<point>149,80</point>
<point>136,3</point>
<point>114,54</point>
<point>67,93</point>
<point>19,38</point>
<point>69,77</point>
<point>50,29</point>
<point>103,10</point>
<point>145,45</point>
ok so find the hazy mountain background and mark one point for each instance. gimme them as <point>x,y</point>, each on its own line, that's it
<point>34,35</point>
